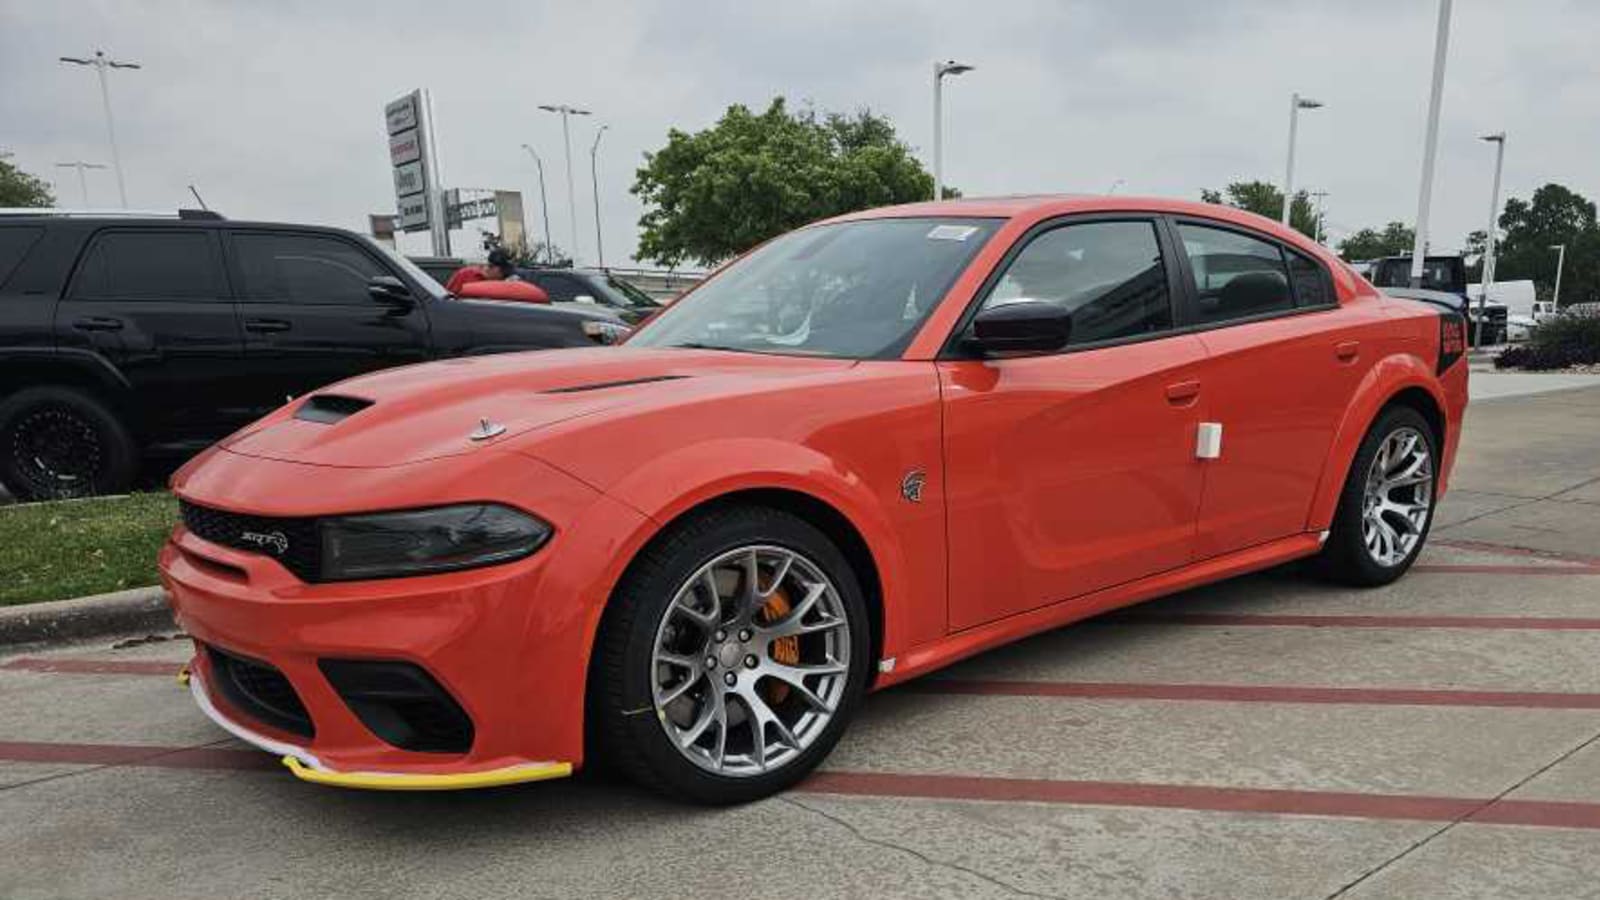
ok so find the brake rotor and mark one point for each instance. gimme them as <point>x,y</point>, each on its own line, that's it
<point>785,650</point>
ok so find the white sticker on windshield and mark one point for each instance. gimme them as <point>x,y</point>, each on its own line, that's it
<point>951,232</point>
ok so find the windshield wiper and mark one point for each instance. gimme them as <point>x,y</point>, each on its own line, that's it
<point>698,345</point>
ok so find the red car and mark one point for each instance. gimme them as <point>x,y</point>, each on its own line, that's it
<point>867,449</point>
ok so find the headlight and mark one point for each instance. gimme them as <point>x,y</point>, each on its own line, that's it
<point>605,332</point>
<point>416,542</point>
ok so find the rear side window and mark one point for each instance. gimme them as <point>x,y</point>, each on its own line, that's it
<point>1109,275</point>
<point>15,242</point>
<point>150,265</point>
<point>303,268</point>
<point>1235,276</point>
<point>1311,285</point>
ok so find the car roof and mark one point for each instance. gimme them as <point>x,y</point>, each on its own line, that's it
<point>1041,206</point>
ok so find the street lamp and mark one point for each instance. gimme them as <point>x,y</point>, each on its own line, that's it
<point>1296,103</point>
<point>940,70</point>
<point>83,183</point>
<point>594,181</point>
<point>572,197</point>
<point>101,63</point>
<point>544,205</point>
<point>1561,262</point>
<point>1498,139</point>
<point>1430,143</point>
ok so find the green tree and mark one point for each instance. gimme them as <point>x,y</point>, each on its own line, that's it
<point>1529,228</point>
<point>1396,239</point>
<point>1265,199</point>
<point>752,176</point>
<point>18,188</point>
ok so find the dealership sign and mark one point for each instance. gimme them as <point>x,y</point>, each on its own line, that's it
<point>409,160</point>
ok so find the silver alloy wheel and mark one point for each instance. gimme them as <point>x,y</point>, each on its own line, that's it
<point>750,661</point>
<point>1398,497</point>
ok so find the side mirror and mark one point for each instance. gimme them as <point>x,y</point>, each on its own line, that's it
<point>1021,326</point>
<point>515,291</point>
<point>391,290</point>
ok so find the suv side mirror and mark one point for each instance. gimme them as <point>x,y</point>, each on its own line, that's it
<point>1021,326</point>
<point>391,290</point>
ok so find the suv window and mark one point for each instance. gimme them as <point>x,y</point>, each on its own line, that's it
<point>150,265</point>
<point>1311,285</point>
<point>1235,276</point>
<point>1109,275</point>
<point>561,288</point>
<point>14,244</point>
<point>303,268</point>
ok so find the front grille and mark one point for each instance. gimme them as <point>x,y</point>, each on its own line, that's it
<point>294,542</point>
<point>259,691</point>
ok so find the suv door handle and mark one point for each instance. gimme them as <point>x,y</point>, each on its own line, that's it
<point>1183,393</point>
<point>266,326</point>
<point>1346,350</point>
<point>97,323</point>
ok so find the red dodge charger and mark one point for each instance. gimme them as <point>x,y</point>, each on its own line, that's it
<point>867,449</point>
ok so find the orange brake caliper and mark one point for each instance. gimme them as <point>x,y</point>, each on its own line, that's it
<point>784,650</point>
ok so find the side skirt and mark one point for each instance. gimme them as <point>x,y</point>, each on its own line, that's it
<point>940,653</point>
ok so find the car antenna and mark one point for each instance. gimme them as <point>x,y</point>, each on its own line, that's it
<point>198,198</point>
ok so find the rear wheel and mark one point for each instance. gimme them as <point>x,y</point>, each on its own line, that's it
<point>60,443</point>
<point>1386,508</point>
<point>732,658</point>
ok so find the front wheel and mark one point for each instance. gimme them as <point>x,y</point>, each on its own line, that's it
<point>59,443</point>
<point>732,657</point>
<point>1386,508</point>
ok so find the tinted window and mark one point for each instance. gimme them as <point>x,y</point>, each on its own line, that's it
<point>1108,274</point>
<point>1235,276</point>
<point>561,288</point>
<point>150,265</point>
<point>303,268</point>
<point>1311,286</point>
<point>14,244</point>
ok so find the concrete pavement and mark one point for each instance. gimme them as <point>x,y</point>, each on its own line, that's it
<point>1267,737</point>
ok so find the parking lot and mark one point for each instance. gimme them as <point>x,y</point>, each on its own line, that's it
<point>1267,737</point>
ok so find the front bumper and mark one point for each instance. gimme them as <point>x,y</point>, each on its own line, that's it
<point>508,644</point>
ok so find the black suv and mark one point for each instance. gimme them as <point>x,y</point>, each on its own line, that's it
<point>126,338</point>
<point>593,286</point>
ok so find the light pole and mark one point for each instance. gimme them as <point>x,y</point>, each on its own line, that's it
<point>572,197</point>
<point>544,205</point>
<point>1430,144</point>
<point>101,63</point>
<point>1321,196</point>
<point>1561,262</point>
<point>594,181</point>
<point>1498,139</point>
<point>940,70</point>
<point>1296,103</point>
<point>83,182</point>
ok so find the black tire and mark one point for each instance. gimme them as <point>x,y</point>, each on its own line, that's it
<point>60,443</point>
<point>1345,558</point>
<point>630,734</point>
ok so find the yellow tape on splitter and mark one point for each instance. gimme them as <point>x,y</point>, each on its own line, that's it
<point>401,781</point>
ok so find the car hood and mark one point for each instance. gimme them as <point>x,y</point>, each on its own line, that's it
<point>461,406</point>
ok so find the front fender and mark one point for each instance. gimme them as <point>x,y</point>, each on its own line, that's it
<point>1383,381</point>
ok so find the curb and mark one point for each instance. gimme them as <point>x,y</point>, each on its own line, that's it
<point>140,609</point>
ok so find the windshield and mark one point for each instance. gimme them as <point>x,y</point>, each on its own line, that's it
<point>423,279</point>
<point>631,294</point>
<point>854,290</point>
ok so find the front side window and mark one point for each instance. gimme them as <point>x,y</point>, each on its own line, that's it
<point>150,265</point>
<point>1109,275</point>
<point>302,268</point>
<point>853,290</point>
<point>1235,276</point>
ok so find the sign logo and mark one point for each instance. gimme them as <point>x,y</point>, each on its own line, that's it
<point>276,541</point>
<point>911,485</point>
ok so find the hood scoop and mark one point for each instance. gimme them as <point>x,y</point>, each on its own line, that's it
<point>327,409</point>
<point>602,385</point>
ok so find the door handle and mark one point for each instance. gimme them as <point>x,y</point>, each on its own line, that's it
<point>1183,393</point>
<point>97,323</point>
<point>266,326</point>
<point>1347,350</point>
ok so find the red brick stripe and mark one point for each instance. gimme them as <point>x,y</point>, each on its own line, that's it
<point>1206,799</point>
<point>70,666</point>
<point>1254,693</point>
<point>1508,550</point>
<point>1513,623</point>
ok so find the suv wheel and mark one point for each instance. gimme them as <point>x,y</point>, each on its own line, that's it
<point>58,443</point>
<point>733,655</point>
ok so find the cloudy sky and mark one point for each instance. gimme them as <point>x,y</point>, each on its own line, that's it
<point>273,108</point>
